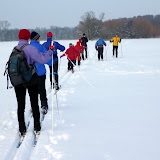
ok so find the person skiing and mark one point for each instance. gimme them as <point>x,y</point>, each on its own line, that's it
<point>71,53</point>
<point>79,48</point>
<point>115,41</point>
<point>33,56</point>
<point>55,58</point>
<point>99,47</point>
<point>41,71</point>
<point>84,44</point>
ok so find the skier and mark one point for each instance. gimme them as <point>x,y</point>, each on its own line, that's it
<point>84,44</point>
<point>82,48</point>
<point>32,56</point>
<point>41,71</point>
<point>71,53</point>
<point>79,48</point>
<point>115,41</point>
<point>55,58</point>
<point>99,47</point>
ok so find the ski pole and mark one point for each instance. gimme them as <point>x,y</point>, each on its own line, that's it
<point>87,53</point>
<point>81,74</point>
<point>52,91</point>
<point>57,103</point>
<point>59,65</point>
<point>6,108</point>
<point>121,50</point>
<point>107,51</point>
<point>95,53</point>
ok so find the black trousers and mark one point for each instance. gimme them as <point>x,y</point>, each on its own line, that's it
<point>100,53</point>
<point>55,73</point>
<point>115,48</point>
<point>86,54</point>
<point>70,64</point>
<point>42,90</point>
<point>21,99</point>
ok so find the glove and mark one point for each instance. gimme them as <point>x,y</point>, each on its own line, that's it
<point>52,48</point>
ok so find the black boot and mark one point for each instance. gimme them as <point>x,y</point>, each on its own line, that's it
<point>22,128</point>
<point>37,126</point>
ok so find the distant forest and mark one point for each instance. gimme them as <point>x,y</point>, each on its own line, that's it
<point>147,26</point>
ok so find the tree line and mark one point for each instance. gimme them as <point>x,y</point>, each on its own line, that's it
<point>147,26</point>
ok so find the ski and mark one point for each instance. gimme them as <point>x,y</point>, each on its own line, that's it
<point>36,136</point>
<point>21,138</point>
<point>43,116</point>
<point>55,92</point>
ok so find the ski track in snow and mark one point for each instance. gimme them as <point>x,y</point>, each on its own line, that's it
<point>110,74</point>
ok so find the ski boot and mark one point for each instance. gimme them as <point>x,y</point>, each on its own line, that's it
<point>44,109</point>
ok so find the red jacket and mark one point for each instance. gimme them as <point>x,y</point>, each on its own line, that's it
<point>71,53</point>
<point>80,40</point>
<point>78,47</point>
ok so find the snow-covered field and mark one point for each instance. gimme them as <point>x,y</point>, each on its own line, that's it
<point>109,110</point>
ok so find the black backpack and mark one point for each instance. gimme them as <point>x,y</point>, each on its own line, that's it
<point>17,68</point>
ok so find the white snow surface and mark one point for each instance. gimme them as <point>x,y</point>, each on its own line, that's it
<point>108,110</point>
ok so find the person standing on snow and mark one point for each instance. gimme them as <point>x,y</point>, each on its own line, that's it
<point>33,56</point>
<point>99,47</point>
<point>55,58</point>
<point>79,48</point>
<point>71,53</point>
<point>115,41</point>
<point>41,71</point>
<point>84,44</point>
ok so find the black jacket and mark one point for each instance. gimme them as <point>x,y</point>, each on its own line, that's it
<point>84,41</point>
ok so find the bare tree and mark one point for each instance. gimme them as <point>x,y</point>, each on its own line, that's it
<point>4,25</point>
<point>90,25</point>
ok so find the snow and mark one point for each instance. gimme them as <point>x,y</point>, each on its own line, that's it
<point>107,110</point>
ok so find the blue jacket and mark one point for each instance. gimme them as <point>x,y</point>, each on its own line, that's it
<point>41,70</point>
<point>57,46</point>
<point>100,42</point>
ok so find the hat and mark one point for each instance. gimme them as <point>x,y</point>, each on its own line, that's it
<point>70,44</point>
<point>24,34</point>
<point>34,35</point>
<point>49,34</point>
<point>84,34</point>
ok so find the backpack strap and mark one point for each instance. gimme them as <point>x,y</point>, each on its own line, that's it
<point>21,48</point>
<point>6,73</point>
<point>32,66</point>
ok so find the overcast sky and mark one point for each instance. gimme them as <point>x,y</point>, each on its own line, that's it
<point>46,13</point>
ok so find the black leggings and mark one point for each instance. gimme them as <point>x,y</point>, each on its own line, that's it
<point>21,98</point>
<point>100,53</point>
<point>115,48</point>
<point>70,64</point>
<point>55,72</point>
<point>42,90</point>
